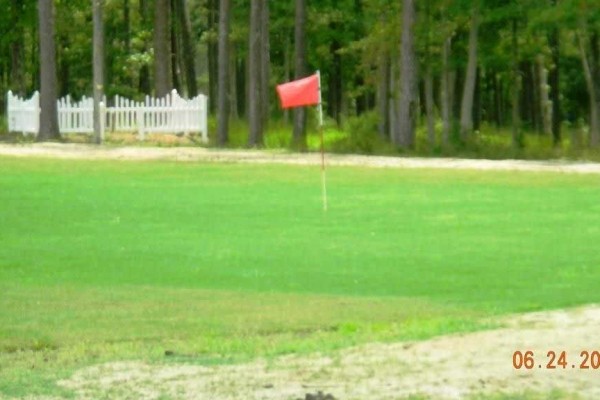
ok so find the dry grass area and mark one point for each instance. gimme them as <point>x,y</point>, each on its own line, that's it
<point>451,367</point>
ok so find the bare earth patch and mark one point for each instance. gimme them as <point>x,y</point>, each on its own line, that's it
<point>450,367</point>
<point>91,152</point>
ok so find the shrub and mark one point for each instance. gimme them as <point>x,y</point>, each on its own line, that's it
<point>361,136</point>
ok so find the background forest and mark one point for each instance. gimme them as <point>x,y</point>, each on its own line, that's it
<point>486,77</point>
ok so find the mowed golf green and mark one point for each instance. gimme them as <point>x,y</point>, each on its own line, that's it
<point>112,260</point>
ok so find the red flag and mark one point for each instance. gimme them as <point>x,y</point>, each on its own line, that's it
<point>302,92</point>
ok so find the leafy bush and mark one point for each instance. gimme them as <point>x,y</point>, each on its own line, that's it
<point>361,136</point>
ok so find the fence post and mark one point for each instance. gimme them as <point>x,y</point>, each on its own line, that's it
<point>204,114</point>
<point>9,115</point>
<point>140,122</point>
<point>102,120</point>
<point>37,112</point>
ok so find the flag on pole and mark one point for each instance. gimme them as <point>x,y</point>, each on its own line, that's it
<point>301,92</point>
<point>307,92</point>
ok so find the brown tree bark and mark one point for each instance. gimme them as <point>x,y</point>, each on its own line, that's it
<point>265,63</point>
<point>175,50</point>
<point>545,103</point>
<point>554,80</point>
<point>162,51</point>
<point>446,92</point>
<point>591,69</point>
<point>466,109</point>
<point>407,111</point>
<point>517,135</point>
<point>429,101</point>
<point>98,66</point>
<point>429,107</point>
<point>255,90</point>
<point>213,53</point>
<point>17,50</point>
<point>144,80</point>
<point>48,82</point>
<point>188,47</point>
<point>299,136</point>
<point>383,95</point>
<point>223,74</point>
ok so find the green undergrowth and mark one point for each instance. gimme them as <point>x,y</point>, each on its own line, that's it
<point>359,135</point>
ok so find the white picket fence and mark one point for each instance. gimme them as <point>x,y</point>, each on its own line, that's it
<point>75,117</point>
<point>170,114</point>
<point>23,115</point>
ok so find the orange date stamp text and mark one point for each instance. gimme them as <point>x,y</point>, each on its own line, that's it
<point>527,359</point>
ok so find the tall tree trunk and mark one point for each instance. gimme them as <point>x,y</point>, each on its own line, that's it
<point>534,88</point>
<point>429,107</point>
<point>213,70</point>
<point>254,73</point>
<point>528,96</point>
<point>144,81</point>
<point>517,136</point>
<point>299,136</point>
<point>554,78</point>
<point>35,62</point>
<point>223,64</point>
<point>477,99</point>
<point>287,73</point>
<point>17,50</point>
<point>241,78</point>
<point>591,69</point>
<point>162,52</point>
<point>429,102</point>
<point>383,95</point>
<point>466,109</point>
<point>188,47</point>
<point>393,97</point>
<point>335,80</point>
<point>595,60</point>
<point>48,84</point>
<point>175,50</point>
<point>98,56</point>
<point>408,107</point>
<point>126,37</point>
<point>233,82</point>
<point>446,92</point>
<point>545,104</point>
<point>498,101</point>
<point>265,64</point>
<point>358,33</point>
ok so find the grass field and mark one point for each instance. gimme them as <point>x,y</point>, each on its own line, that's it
<point>214,263</point>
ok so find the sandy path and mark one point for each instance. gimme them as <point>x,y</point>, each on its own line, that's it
<point>450,367</point>
<point>82,151</point>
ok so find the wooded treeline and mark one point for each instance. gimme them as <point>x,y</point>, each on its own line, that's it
<point>456,67</point>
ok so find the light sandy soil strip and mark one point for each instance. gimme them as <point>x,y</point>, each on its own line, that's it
<point>450,367</point>
<point>82,151</point>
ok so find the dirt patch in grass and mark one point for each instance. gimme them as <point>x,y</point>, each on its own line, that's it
<point>91,152</point>
<point>449,367</point>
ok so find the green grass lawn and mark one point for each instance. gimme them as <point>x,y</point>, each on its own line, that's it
<point>214,263</point>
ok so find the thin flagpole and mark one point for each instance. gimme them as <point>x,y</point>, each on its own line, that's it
<point>323,176</point>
